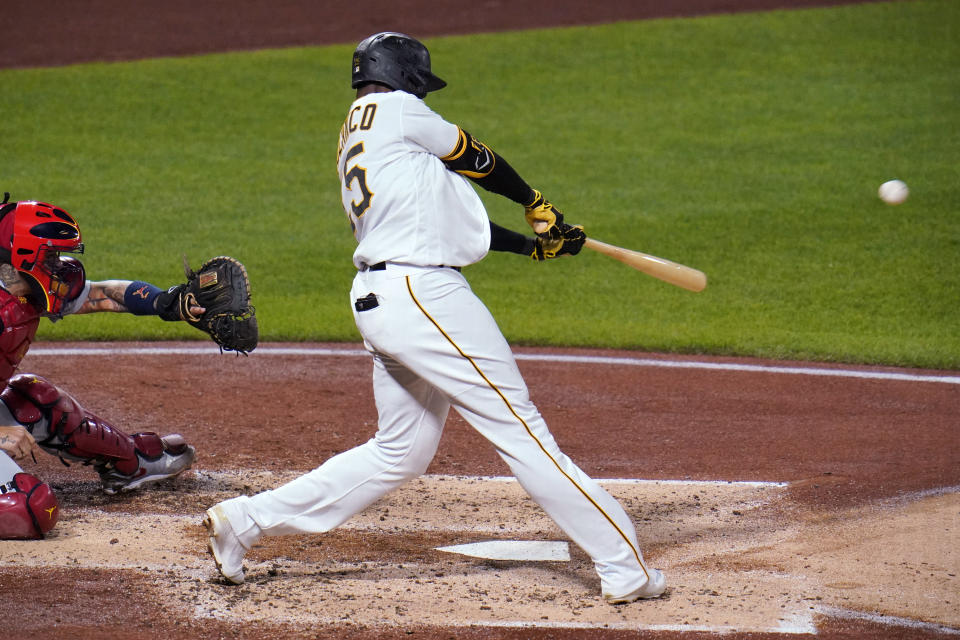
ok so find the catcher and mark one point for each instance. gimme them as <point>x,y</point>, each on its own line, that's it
<point>37,280</point>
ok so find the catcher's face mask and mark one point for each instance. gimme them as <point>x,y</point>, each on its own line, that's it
<point>40,233</point>
<point>57,281</point>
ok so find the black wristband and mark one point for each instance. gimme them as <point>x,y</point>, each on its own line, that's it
<point>168,303</point>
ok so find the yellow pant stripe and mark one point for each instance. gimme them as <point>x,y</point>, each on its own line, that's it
<point>525,426</point>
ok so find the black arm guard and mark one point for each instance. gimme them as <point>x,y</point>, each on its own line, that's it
<point>475,160</point>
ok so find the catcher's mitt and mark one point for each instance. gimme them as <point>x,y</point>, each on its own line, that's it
<point>222,288</point>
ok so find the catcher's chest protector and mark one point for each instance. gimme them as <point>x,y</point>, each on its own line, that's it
<point>20,320</point>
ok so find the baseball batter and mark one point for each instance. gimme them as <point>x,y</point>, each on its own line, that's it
<point>417,221</point>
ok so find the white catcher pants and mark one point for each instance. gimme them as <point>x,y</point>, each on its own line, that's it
<point>435,345</point>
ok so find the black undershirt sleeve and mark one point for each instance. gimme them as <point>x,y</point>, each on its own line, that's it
<point>502,239</point>
<point>505,181</point>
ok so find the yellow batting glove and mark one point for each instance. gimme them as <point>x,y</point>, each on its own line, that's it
<point>544,218</point>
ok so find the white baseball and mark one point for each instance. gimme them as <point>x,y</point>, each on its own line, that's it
<point>894,191</point>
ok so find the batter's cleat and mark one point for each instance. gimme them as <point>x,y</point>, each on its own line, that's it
<point>224,545</point>
<point>652,588</point>
<point>174,456</point>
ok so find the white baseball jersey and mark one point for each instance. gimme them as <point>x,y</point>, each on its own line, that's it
<point>404,205</point>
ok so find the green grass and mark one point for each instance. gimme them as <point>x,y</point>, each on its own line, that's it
<point>749,146</point>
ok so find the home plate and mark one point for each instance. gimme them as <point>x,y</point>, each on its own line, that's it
<point>535,550</point>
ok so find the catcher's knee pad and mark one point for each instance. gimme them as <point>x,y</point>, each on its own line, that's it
<point>71,431</point>
<point>28,508</point>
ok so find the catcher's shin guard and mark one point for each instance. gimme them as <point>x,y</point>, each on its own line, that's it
<point>28,508</point>
<point>123,461</point>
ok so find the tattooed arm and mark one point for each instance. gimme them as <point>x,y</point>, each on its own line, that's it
<point>106,295</point>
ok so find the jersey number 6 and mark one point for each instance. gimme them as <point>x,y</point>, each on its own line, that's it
<point>359,174</point>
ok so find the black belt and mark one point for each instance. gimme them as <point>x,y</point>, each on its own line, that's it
<point>382,266</point>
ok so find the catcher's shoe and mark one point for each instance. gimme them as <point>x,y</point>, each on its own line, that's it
<point>177,456</point>
<point>652,588</point>
<point>224,545</point>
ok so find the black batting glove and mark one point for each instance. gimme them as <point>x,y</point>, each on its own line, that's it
<point>571,241</point>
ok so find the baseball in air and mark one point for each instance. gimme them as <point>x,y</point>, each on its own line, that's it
<point>894,191</point>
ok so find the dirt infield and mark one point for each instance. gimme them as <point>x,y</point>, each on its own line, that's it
<point>59,32</point>
<point>781,499</point>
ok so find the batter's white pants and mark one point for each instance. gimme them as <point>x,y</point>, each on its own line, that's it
<point>435,345</point>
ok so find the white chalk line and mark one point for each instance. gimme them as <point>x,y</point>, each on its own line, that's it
<point>890,621</point>
<point>799,627</point>
<point>690,483</point>
<point>234,474</point>
<point>265,350</point>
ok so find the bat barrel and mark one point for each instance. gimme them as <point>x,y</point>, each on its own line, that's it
<point>671,272</point>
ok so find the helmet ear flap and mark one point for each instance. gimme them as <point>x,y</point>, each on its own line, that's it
<point>37,292</point>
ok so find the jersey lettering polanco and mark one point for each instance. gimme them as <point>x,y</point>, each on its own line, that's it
<point>404,205</point>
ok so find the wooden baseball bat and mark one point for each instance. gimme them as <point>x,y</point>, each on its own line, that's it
<point>676,274</point>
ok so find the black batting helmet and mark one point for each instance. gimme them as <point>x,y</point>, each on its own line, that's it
<point>396,60</point>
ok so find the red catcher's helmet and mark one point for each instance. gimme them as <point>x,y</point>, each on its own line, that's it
<point>40,233</point>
